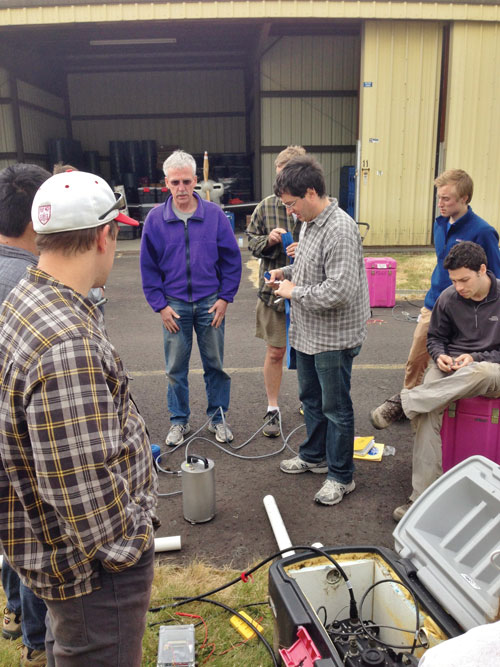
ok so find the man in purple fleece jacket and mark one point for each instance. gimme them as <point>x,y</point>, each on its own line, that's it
<point>191,270</point>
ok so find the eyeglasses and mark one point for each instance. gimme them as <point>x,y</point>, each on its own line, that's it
<point>185,181</point>
<point>119,204</point>
<point>290,204</point>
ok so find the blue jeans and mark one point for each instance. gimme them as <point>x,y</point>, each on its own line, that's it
<point>178,347</point>
<point>21,600</point>
<point>324,390</point>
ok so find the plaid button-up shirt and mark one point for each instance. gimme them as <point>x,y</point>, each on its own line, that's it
<point>77,484</point>
<point>268,215</point>
<point>330,303</point>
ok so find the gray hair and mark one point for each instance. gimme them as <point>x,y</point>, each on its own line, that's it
<point>179,160</point>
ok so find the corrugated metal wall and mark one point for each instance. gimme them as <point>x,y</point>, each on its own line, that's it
<point>171,107</point>
<point>7,137</point>
<point>472,138</point>
<point>42,117</point>
<point>400,78</point>
<point>303,65</point>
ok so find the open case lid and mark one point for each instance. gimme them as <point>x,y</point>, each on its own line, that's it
<point>451,534</point>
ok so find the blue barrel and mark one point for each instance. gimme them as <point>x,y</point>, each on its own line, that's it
<point>230,217</point>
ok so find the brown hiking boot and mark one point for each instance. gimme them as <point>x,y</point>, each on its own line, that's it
<point>389,412</point>
<point>31,657</point>
<point>400,511</point>
<point>11,627</point>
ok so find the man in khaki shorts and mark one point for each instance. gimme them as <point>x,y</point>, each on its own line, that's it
<point>269,221</point>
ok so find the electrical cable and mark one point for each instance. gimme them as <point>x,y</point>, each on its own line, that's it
<point>187,442</point>
<point>247,622</point>
<point>326,614</point>
<point>353,611</point>
<point>417,628</point>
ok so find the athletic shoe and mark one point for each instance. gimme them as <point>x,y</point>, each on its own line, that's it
<point>11,627</point>
<point>332,492</point>
<point>222,432</point>
<point>176,434</point>
<point>301,409</point>
<point>389,412</point>
<point>272,429</point>
<point>296,465</point>
<point>400,511</point>
<point>31,657</point>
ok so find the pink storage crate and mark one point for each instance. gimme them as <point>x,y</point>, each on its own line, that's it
<point>470,426</point>
<point>381,274</point>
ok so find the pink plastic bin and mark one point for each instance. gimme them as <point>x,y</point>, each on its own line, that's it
<point>381,274</point>
<point>471,426</point>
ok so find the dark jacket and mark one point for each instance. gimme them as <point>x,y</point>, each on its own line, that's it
<point>463,326</point>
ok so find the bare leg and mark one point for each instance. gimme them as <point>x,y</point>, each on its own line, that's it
<point>273,372</point>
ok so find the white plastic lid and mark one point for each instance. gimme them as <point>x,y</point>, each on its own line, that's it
<point>451,534</point>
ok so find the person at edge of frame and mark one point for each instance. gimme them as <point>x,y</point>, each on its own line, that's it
<point>24,614</point>
<point>457,222</point>
<point>464,344</point>
<point>76,472</point>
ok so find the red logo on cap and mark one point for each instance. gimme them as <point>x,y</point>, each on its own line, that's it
<point>44,214</point>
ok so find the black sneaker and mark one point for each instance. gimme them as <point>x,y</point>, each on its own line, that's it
<point>389,412</point>
<point>272,429</point>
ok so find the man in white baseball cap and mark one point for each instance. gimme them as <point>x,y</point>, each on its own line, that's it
<point>76,469</point>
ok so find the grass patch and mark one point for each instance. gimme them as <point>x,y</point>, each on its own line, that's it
<point>224,646</point>
<point>413,270</point>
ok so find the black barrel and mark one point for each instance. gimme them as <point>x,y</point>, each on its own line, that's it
<point>149,158</point>
<point>116,159</point>
<point>92,162</point>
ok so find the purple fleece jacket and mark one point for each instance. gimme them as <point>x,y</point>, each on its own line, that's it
<point>188,262</point>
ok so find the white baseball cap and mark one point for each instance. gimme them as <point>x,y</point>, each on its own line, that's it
<point>76,200</point>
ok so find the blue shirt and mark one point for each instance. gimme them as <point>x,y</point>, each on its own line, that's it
<point>470,227</point>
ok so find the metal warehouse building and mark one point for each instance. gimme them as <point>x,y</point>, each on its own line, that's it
<point>401,90</point>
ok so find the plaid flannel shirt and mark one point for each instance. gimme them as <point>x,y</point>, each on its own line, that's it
<point>268,215</point>
<point>77,484</point>
<point>330,303</point>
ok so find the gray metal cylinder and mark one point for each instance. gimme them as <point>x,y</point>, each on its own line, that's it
<point>198,489</point>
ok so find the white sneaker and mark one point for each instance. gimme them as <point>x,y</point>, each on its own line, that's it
<point>176,434</point>
<point>222,432</point>
<point>332,492</point>
<point>296,465</point>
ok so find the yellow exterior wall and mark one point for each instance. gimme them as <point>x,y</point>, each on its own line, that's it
<point>399,111</point>
<point>472,138</point>
<point>319,63</point>
<point>249,9</point>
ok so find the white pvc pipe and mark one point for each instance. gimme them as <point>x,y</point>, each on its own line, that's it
<point>279,530</point>
<point>161,544</point>
<point>167,543</point>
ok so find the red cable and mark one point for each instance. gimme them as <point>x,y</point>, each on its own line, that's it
<point>180,613</point>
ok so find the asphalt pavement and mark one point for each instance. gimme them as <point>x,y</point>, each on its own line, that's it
<point>240,532</point>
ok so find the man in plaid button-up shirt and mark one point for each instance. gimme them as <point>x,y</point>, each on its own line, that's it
<point>328,292</point>
<point>77,484</point>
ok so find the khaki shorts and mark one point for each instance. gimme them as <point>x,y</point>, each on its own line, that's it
<point>270,325</point>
